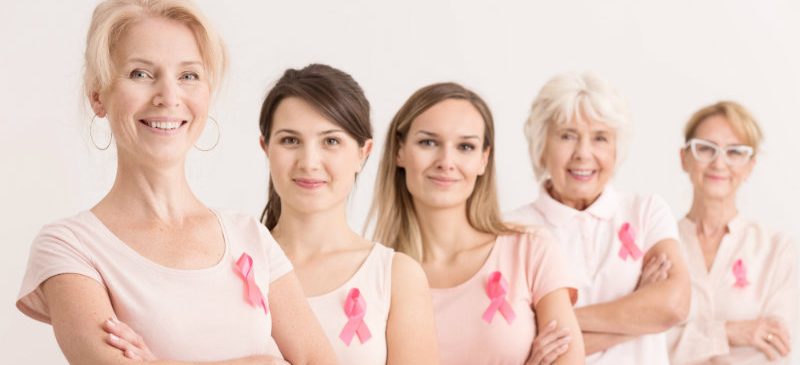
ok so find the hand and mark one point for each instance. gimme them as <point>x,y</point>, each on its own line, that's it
<point>126,340</point>
<point>549,345</point>
<point>656,269</point>
<point>766,334</point>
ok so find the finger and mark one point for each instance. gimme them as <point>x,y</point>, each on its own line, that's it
<point>125,332</point>
<point>651,266</point>
<point>549,334</point>
<point>552,351</point>
<point>778,341</point>
<point>763,346</point>
<point>118,342</point>
<point>132,355</point>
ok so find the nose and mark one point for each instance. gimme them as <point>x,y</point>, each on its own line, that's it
<point>583,149</point>
<point>310,157</point>
<point>166,93</point>
<point>445,159</point>
<point>718,162</point>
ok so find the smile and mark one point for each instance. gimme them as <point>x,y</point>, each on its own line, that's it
<point>310,184</point>
<point>163,126</point>
<point>581,175</point>
<point>443,181</point>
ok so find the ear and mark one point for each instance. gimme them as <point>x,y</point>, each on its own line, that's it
<point>684,157</point>
<point>97,105</point>
<point>364,152</point>
<point>399,156</point>
<point>485,160</point>
<point>750,165</point>
<point>264,145</point>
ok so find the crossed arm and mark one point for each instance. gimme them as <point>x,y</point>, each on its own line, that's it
<point>78,306</point>
<point>650,309</point>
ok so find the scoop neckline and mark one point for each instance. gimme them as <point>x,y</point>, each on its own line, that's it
<point>474,276</point>
<point>372,252</point>
<point>120,245</point>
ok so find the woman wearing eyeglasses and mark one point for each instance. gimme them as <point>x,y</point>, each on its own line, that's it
<point>743,280</point>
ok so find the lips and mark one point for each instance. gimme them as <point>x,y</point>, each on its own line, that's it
<point>582,174</point>
<point>310,184</point>
<point>443,180</point>
<point>163,125</point>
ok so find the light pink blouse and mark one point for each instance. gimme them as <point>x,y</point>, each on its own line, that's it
<point>768,287</point>
<point>532,268</point>
<point>590,240</point>
<point>185,315</point>
<point>374,283</point>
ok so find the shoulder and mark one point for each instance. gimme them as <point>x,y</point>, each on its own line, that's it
<point>767,238</point>
<point>404,268</point>
<point>523,215</point>
<point>76,231</point>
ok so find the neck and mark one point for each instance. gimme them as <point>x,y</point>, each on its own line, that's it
<point>446,231</point>
<point>310,233</point>
<point>577,204</point>
<point>151,193</point>
<point>711,215</point>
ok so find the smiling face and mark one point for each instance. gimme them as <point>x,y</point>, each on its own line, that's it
<point>313,162</point>
<point>580,158</point>
<point>716,179</point>
<point>157,102</point>
<point>443,154</point>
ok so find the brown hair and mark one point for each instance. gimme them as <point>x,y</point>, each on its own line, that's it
<point>739,118</point>
<point>334,94</point>
<point>396,221</point>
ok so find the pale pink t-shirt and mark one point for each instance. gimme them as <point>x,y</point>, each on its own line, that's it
<point>533,267</point>
<point>770,291</point>
<point>590,241</point>
<point>185,315</point>
<point>374,282</point>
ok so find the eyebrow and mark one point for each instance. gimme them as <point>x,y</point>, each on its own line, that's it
<point>150,63</point>
<point>292,131</point>
<point>431,134</point>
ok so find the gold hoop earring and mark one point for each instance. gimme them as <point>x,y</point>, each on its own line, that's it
<point>91,136</point>
<point>216,141</point>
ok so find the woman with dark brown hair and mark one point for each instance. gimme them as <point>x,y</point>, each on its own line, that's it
<point>373,303</point>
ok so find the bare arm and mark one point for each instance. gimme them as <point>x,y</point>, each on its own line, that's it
<point>410,333</point>
<point>78,306</point>
<point>651,309</point>
<point>294,326</point>
<point>599,341</point>
<point>556,307</point>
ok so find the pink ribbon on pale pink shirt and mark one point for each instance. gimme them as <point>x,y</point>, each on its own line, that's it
<point>355,307</point>
<point>740,272</point>
<point>496,289</point>
<point>244,265</point>
<point>629,247</point>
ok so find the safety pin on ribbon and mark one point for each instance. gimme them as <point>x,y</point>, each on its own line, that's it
<point>496,289</point>
<point>355,307</point>
<point>740,273</point>
<point>629,248</point>
<point>244,266</point>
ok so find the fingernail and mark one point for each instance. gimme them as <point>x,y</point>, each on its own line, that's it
<point>110,322</point>
<point>552,324</point>
<point>113,337</point>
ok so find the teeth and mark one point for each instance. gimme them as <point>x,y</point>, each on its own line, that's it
<point>581,172</point>
<point>163,125</point>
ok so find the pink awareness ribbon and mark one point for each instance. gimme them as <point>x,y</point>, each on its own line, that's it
<point>629,247</point>
<point>244,266</point>
<point>496,289</point>
<point>355,307</point>
<point>740,272</point>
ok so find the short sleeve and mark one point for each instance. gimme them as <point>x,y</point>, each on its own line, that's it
<point>55,250</point>
<point>658,222</point>
<point>547,268</point>
<point>279,264</point>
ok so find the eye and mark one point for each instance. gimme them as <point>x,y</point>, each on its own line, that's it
<point>190,76</point>
<point>601,138</point>
<point>705,148</point>
<point>331,141</point>
<point>426,143</point>
<point>467,147</point>
<point>568,136</point>
<point>139,74</point>
<point>290,141</point>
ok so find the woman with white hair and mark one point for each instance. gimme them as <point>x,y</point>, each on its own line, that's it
<point>623,249</point>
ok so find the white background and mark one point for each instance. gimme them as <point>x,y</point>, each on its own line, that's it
<point>668,58</point>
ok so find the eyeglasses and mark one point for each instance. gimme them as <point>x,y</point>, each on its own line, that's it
<point>706,151</point>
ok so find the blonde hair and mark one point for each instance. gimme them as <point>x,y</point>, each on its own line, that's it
<point>393,207</point>
<point>568,96</point>
<point>739,118</point>
<point>112,18</point>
